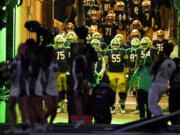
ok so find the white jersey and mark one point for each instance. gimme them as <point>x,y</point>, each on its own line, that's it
<point>15,86</point>
<point>51,88</point>
<point>38,84</point>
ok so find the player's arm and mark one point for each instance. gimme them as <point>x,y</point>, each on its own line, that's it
<point>134,79</point>
<point>125,59</point>
<point>138,58</point>
<point>106,60</point>
<point>103,67</point>
<point>155,56</point>
<point>157,19</point>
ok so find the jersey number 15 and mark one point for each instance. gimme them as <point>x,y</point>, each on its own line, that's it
<point>60,55</point>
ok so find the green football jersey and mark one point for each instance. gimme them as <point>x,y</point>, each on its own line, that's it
<point>63,59</point>
<point>131,57</point>
<point>116,61</point>
<point>143,52</point>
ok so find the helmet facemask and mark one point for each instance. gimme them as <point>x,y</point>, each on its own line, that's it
<point>115,44</point>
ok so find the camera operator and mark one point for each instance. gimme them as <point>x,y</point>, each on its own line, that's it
<point>102,99</point>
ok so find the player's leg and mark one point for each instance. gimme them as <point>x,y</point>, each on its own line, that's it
<point>122,91</point>
<point>54,100</point>
<point>140,102</point>
<point>113,86</point>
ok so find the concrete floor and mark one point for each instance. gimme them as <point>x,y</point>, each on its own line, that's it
<point>119,118</point>
<point>62,127</point>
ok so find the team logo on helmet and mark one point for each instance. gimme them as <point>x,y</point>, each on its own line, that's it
<point>146,42</point>
<point>135,43</point>
<point>120,37</point>
<point>71,37</point>
<point>59,41</point>
<point>115,44</point>
<point>97,36</point>
<point>96,44</point>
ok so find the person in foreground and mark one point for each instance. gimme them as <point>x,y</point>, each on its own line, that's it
<point>162,70</point>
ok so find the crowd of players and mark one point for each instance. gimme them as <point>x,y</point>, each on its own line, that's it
<point>118,60</point>
<point>120,32</point>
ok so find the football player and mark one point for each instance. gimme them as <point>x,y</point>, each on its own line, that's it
<point>97,36</point>
<point>148,18</point>
<point>88,4</point>
<point>134,34</point>
<point>126,2</point>
<point>59,41</point>
<point>146,49</point>
<point>103,45</point>
<point>136,24</point>
<point>109,28</point>
<point>121,17</point>
<point>160,41</point>
<point>115,65</point>
<point>94,19</point>
<point>120,37</point>
<point>69,27</point>
<point>131,62</point>
<point>63,64</point>
<point>105,7</point>
<point>100,65</point>
<point>132,54</point>
<point>135,10</point>
<point>70,38</point>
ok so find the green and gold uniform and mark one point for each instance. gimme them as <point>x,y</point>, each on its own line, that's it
<point>100,65</point>
<point>131,58</point>
<point>143,52</point>
<point>63,62</point>
<point>116,65</point>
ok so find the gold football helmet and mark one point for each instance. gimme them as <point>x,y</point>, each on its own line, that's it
<point>59,41</point>
<point>160,35</point>
<point>69,27</point>
<point>135,34</point>
<point>120,6</point>
<point>136,24</point>
<point>146,5</point>
<point>136,2</point>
